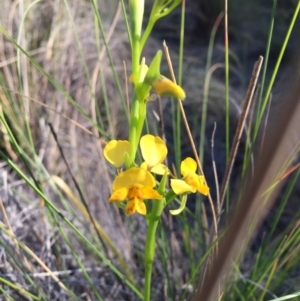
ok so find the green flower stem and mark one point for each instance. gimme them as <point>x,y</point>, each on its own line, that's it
<point>135,58</point>
<point>146,34</point>
<point>138,108</point>
<point>156,212</point>
<point>136,8</point>
<point>137,119</point>
<point>160,9</point>
<point>157,208</point>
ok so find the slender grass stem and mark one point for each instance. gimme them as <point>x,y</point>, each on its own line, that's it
<point>266,58</point>
<point>206,91</point>
<point>178,111</point>
<point>116,78</point>
<point>278,62</point>
<point>22,291</point>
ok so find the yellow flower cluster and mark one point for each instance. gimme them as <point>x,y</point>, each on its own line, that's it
<point>137,184</point>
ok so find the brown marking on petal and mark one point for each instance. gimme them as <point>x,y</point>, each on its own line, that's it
<point>130,207</point>
<point>135,192</point>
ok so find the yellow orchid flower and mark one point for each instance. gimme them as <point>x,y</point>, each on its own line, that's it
<point>165,87</point>
<point>161,84</point>
<point>154,152</point>
<point>191,182</point>
<point>136,185</point>
<point>115,151</point>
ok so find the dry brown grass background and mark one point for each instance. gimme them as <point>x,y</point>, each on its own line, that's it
<point>48,35</point>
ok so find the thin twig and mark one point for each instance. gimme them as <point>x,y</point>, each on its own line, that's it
<point>56,273</point>
<point>192,142</point>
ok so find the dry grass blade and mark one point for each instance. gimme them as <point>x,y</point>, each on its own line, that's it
<point>38,260</point>
<point>284,138</point>
<point>239,130</point>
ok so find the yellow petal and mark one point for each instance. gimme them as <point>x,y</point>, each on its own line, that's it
<point>154,149</point>
<point>192,179</point>
<point>119,195</point>
<point>135,205</point>
<point>160,169</point>
<point>188,166</point>
<point>144,165</point>
<point>132,177</point>
<point>149,193</point>
<point>180,187</point>
<point>197,182</point>
<point>165,87</point>
<point>202,187</point>
<point>115,150</point>
<point>141,207</point>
